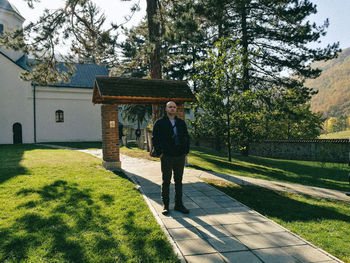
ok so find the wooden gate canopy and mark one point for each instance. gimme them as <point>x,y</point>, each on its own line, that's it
<point>118,90</point>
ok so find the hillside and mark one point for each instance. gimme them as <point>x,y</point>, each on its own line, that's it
<point>336,135</point>
<point>333,98</point>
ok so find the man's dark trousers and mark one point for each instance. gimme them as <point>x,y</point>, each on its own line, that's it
<point>168,165</point>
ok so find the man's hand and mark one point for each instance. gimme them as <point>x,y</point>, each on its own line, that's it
<point>160,156</point>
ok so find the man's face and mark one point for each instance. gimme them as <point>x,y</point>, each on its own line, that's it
<point>171,108</point>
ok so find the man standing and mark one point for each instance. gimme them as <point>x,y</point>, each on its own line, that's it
<point>171,142</point>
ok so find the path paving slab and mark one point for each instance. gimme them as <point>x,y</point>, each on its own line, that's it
<point>195,247</point>
<point>307,253</point>
<point>258,241</point>
<point>184,233</point>
<point>275,255</point>
<point>227,244</point>
<point>240,229</point>
<point>285,238</point>
<point>241,257</point>
<point>206,258</point>
<point>213,231</point>
<point>267,227</point>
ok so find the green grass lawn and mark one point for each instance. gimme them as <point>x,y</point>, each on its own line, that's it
<point>62,206</point>
<point>131,149</point>
<point>325,223</point>
<point>326,175</point>
<point>336,135</point>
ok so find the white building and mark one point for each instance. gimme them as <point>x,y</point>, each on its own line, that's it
<point>30,113</point>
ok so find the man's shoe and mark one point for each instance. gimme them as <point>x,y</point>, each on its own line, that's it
<point>181,208</point>
<point>166,210</point>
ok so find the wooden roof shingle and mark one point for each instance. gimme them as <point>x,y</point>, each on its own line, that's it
<point>118,90</point>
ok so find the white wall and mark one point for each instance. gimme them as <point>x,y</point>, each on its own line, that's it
<point>11,22</point>
<point>82,119</point>
<point>16,104</point>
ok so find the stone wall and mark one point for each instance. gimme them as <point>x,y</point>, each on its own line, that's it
<point>323,150</point>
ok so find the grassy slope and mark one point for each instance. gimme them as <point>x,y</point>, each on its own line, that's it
<point>333,86</point>
<point>336,135</point>
<point>62,206</point>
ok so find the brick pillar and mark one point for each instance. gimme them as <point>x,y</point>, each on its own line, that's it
<point>110,137</point>
<point>180,110</point>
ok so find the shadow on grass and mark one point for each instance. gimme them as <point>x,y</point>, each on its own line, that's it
<point>279,205</point>
<point>78,145</point>
<point>10,158</point>
<point>69,213</point>
<point>162,248</point>
<point>281,170</point>
<point>65,225</point>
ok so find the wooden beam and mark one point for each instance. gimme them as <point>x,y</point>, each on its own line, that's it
<point>140,100</point>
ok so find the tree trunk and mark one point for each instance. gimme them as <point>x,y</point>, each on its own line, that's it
<point>196,107</point>
<point>228,136</point>
<point>154,37</point>
<point>243,12</point>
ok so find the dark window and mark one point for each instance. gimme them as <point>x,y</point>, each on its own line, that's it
<point>59,116</point>
<point>1,29</point>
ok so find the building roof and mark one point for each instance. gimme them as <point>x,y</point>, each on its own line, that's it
<point>6,5</point>
<point>83,77</point>
<point>24,62</point>
<point>117,90</point>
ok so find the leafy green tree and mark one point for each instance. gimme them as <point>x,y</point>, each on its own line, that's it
<point>337,124</point>
<point>77,25</point>
<point>135,53</point>
<point>221,96</point>
<point>275,37</point>
<point>298,123</point>
<point>91,43</point>
<point>136,113</point>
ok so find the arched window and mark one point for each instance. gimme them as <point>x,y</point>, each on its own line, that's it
<point>59,116</point>
<point>17,133</point>
<point>1,29</point>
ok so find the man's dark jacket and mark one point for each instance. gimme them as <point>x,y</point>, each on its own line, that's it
<point>163,137</point>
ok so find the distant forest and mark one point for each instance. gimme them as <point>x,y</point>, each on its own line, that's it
<point>333,85</point>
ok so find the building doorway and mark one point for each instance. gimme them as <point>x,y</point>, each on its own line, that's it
<point>17,133</point>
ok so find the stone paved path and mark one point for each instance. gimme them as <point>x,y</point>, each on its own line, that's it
<point>218,228</point>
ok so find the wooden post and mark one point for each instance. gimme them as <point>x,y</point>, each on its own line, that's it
<point>181,110</point>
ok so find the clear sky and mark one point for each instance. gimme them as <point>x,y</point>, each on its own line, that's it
<point>115,10</point>
<point>336,10</point>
